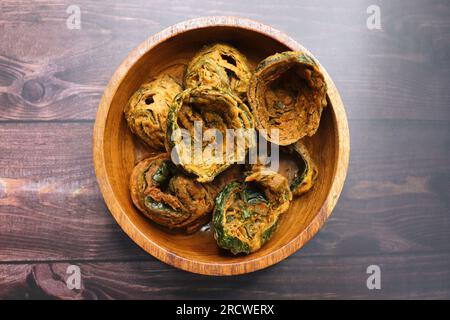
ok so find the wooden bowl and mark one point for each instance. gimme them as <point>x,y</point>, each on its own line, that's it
<point>116,151</point>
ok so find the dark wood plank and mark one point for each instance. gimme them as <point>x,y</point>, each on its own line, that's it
<point>50,206</point>
<point>395,199</point>
<point>400,72</point>
<point>402,277</point>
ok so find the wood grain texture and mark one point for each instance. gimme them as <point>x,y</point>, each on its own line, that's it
<point>403,276</point>
<point>395,204</point>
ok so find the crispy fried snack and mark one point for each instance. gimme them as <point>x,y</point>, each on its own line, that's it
<point>168,197</point>
<point>246,213</point>
<point>219,66</point>
<point>287,92</point>
<point>307,173</point>
<point>197,131</point>
<point>146,111</point>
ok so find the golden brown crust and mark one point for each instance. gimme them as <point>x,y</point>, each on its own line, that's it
<point>168,197</point>
<point>214,111</point>
<point>219,66</point>
<point>275,186</point>
<point>287,92</point>
<point>246,214</point>
<point>146,110</point>
<point>309,175</point>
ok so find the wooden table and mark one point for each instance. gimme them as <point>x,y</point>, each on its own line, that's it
<point>394,211</point>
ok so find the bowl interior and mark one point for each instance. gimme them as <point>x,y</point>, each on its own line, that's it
<point>122,151</point>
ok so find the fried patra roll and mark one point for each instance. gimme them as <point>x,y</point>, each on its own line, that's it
<point>197,135</point>
<point>303,177</point>
<point>287,92</point>
<point>146,111</point>
<point>219,66</point>
<point>246,213</point>
<point>168,197</point>
<point>307,173</point>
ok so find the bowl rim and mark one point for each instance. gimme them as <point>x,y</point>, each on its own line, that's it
<point>164,255</point>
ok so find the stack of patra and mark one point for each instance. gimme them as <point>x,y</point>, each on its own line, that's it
<point>192,179</point>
